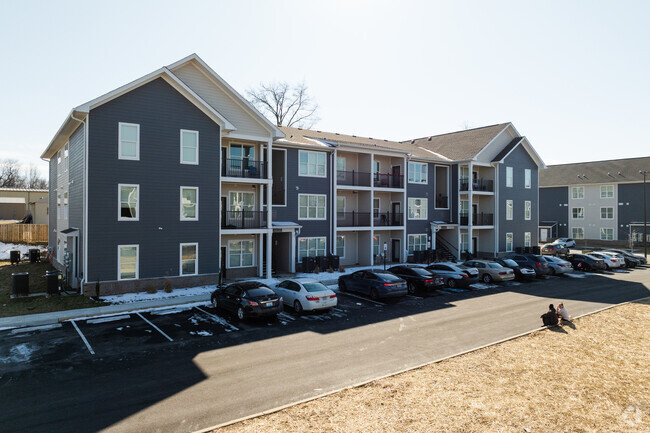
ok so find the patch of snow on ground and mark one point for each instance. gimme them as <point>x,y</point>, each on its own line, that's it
<point>19,353</point>
<point>160,294</point>
<point>6,248</point>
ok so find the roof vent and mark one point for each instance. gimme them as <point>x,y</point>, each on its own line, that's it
<point>412,141</point>
<point>430,137</point>
<point>354,136</point>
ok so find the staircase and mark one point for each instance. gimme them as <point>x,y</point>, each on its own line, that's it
<point>445,250</point>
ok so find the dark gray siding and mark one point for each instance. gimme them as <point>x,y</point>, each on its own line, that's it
<point>552,208</point>
<point>428,191</point>
<point>52,228</point>
<point>630,207</point>
<point>453,217</point>
<point>161,113</point>
<point>438,214</point>
<point>76,182</point>
<point>519,160</point>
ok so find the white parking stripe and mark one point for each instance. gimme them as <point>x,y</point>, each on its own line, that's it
<point>90,349</point>
<point>219,320</point>
<point>155,327</point>
<point>359,297</point>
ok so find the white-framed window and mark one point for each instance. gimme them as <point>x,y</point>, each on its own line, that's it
<point>417,172</point>
<point>189,147</point>
<point>311,163</point>
<point>577,192</point>
<point>66,159</point>
<point>527,178</point>
<point>241,201</point>
<point>418,208</point>
<point>189,203</point>
<point>340,246</point>
<point>128,207</point>
<point>577,232</point>
<point>509,243</point>
<point>606,213</point>
<point>311,206</point>
<point>527,241</point>
<point>577,213</point>
<point>241,254</point>
<point>509,209</point>
<point>58,206</point>
<point>376,245</point>
<point>59,157</point>
<point>340,206</point>
<point>375,207</point>
<point>417,243</point>
<point>128,141</point>
<point>527,210</point>
<point>375,167</point>
<point>311,247</point>
<point>189,259</point>
<point>606,234</point>
<point>606,191</point>
<point>509,177</point>
<point>66,213</point>
<point>127,262</point>
<point>340,168</point>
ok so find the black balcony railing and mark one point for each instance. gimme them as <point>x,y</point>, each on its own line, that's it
<point>464,219</point>
<point>353,178</point>
<point>243,219</point>
<point>387,180</point>
<point>486,185</point>
<point>483,219</point>
<point>247,168</point>
<point>388,219</point>
<point>353,219</point>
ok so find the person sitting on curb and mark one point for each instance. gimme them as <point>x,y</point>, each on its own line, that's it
<point>563,314</point>
<point>550,317</point>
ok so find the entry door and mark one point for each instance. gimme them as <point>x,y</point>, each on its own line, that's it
<point>474,245</point>
<point>395,250</point>
<point>224,160</point>
<point>395,210</point>
<point>396,179</point>
<point>224,252</point>
<point>475,215</point>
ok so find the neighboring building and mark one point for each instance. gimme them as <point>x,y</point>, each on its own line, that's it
<point>169,177</point>
<point>18,203</point>
<point>594,201</point>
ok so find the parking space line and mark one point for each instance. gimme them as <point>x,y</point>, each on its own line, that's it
<point>360,297</point>
<point>155,327</point>
<point>90,349</point>
<point>219,320</point>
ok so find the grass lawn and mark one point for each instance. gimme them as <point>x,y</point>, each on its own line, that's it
<point>592,376</point>
<point>37,284</point>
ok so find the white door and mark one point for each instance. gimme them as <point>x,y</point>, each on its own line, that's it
<point>543,234</point>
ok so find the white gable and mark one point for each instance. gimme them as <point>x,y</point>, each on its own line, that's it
<point>489,152</point>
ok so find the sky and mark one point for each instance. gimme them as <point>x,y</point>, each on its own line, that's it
<point>572,76</point>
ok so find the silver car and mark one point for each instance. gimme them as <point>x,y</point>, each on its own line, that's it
<point>491,271</point>
<point>557,266</point>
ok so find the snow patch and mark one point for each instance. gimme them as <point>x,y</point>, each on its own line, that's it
<point>6,248</point>
<point>19,353</point>
<point>160,294</point>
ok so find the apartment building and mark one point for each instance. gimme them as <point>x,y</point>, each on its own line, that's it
<point>594,201</point>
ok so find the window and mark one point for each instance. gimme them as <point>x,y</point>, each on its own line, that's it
<point>527,178</point>
<point>417,172</point>
<point>417,243</point>
<point>241,201</point>
<point>340,206</point>
<point>509,180</point>
<point>240,253</point>
<point>66,160</point>
<point>311,247</point>
<point>129,141</point>
<point>340,246</point>
<point>375,207</point>
<point>58,206</point>
<point>577,192</point>
<point>311,206</point>
<point>606,213</point>
<point>509,242</point>
<point>509,208</point>
<point>527,241</point>
<point>376,245</point>
<point>375,167</point>
<point>65,206</point>
<point>340,168</point>
<point>577,233</point>
<point>240,157</point>
<point>311,163</point>
<point>577,213</point>
<point>189,203</point>
<point>128,209</point>
<point>464,242</point>
<point>189,259</point>
<point>527,210</point>
<point>127,259</point>
<point>418,208</point>
<point>607,191</point>
<point>189,147</point>
<point>58,157</point>
<point>606,234</point>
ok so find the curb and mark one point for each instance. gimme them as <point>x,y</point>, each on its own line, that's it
<point>365,382</point>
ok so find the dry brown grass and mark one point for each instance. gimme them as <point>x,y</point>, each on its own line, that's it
<point>593,377</point>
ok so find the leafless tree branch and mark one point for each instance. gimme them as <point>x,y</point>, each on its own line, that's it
<point>286,105</point>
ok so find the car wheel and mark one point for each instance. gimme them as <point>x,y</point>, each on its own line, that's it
<point>553,271</point>
<point>374,295</point>
<point>240,313</point>
<point>487,279</point>
<point>451,283</point>
<point>214,303</point>
<point>297,307</point>
<point>411,288</point>
<point>342,286</point>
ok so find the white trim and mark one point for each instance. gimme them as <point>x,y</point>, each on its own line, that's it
<point>577,218</point>
<point>337,205</point>
<point>425,207</point>
<point>412,235</point>
<point>180,258</point>
<point>119,142</point>
<point>528,203</point>
<point>435,180</point>
<point>378,207</point>
<point>512,242</point>
<point>336,247</point>
<point>307,238</point>
<point>512,207</point>
<point>606,186</point>
<point>180,199</point>
<point>511,170</point>
<point>601,233</point>
<point>137,262</point>
<point>228,202</point>
<point>197,146</point>
<point>491,141</point>
<point>232,241</point>
<point>607,207</point>
<point>119,202</point>
<point>530,239</point>
<point>315,218</point>
<point>528,177</point>
<point>426,173</point>
<point>286,183</point>
<point>573,234</point>
<point>312,175</point>
<point>576,188</point>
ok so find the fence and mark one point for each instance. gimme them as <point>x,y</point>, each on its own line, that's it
<point>23,233</point>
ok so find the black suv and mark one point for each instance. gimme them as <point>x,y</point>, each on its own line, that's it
<point>521,273</point>
<point>532,261</point>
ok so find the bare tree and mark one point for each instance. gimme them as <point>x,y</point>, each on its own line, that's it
<point>284,104</point>
<point>10,175</point>
<point>34,179</point>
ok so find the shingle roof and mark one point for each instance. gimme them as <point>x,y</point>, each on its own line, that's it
<point>506,150</point>
<point>595,172</point>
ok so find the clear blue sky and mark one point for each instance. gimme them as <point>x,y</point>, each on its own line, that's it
<point>571,75</point>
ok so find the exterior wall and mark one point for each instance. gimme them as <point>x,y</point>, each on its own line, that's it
<point>499,142</point>
<point>52,229</point>
<point>630,207</point>
<point>592,222</point>
<point>35,202</point>
<point>246,271</point>
<point>554,206</point>
<point>161,113</point>
<point>76,188</point>
<point>428,191</point>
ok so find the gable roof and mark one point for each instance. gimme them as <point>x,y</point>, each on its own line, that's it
<point>506,150</point>
<point>595,172</point>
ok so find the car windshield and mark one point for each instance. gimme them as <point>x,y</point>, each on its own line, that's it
<point>388,277</point>
<point>494,265</point>
<point>315,287</point>
<point>422,272</point>
<point>261,291</point>
<point>510,262</point>
<point>463,267</point>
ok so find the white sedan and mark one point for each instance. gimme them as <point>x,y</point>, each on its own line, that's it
<point>615,257</point>
<point>610,261</point>
<point>306,294</point>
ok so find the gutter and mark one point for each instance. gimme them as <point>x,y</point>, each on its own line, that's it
<point>85,203</point>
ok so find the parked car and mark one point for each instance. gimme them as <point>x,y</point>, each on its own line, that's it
<point>568,242</point>
<point>491,271</point>
<point>306,294</point>
<point>610,261</point>
<point>628,262</point>
<point>554,249</point>
<point>471,272</point>
<point>558,266</point>
<point>532,261</point>
<point>642,260</point>
<point>453,275</point>
<point>585,262</point>
<point>247,299</point>
<point>417,278</point>
<point>521,273</point>
<point>376,284</point>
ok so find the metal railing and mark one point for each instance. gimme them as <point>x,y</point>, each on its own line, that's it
<point>387,180</point>
<point>243,219</point>
<point>485,185</point>
<point>352,178</point>
<point>483,219</point>
<point>247,168</point>
<point>388,219</point>
<point>353,219</point>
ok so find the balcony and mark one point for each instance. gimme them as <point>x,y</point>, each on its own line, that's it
<point>243,168</point>
<point>385,219</point>
<point>353,219</point>
<point>483,219</point>
<point>478,185</point>
<point>387,180</point>
<point>243,219</point>
<point>352,178</point>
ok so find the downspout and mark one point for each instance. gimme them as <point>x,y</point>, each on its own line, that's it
<point>497,208</point>
<point>85,203</point>
<point>333,201</point>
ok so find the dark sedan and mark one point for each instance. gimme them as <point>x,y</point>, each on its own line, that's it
<point>587,263</point>
<point>454,276</point>
<point>418,278</point>
<point>555,250</point>
<point>521,273</point>
<point>532,261</point>
<point>247,299</point>
<point>376,284</point>
<point>633,259</point>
